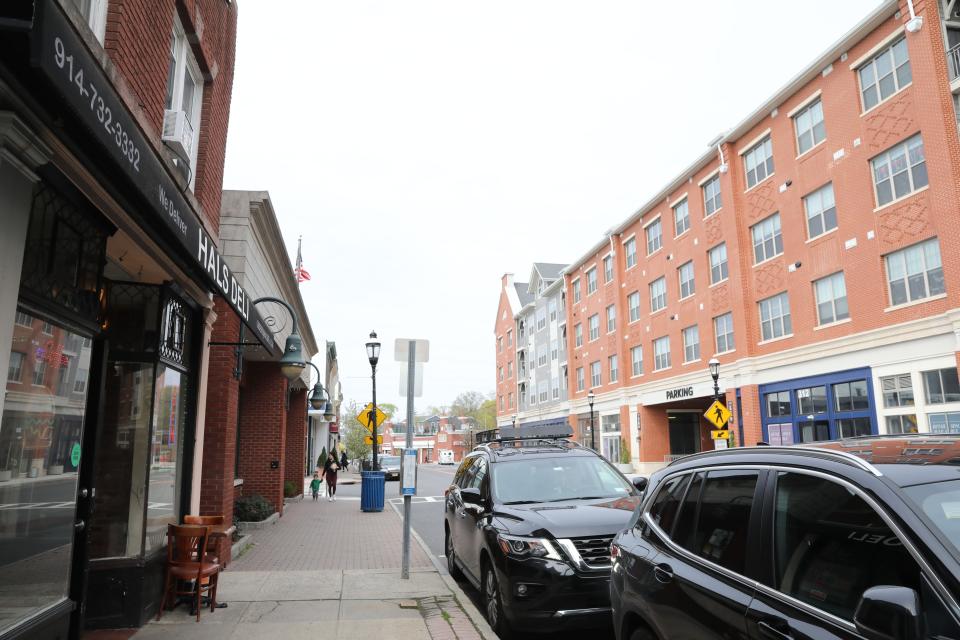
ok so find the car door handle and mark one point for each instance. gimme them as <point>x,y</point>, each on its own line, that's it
<point>767,630</point>
<point>663,573</point>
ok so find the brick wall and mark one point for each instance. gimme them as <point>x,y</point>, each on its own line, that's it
<point>296,449</point>
<point>138,43</point>
<point>263,431</point>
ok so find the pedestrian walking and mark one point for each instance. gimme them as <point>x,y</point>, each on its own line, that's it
<point>330,469</point>
<point>343,460</point>
<point>315,485</point>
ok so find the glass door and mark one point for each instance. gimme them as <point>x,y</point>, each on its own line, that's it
<point>41,435</point>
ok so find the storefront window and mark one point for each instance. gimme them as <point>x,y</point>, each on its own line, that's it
<point>851,396</point>
<point>897,391</point>
<point>780,434</point>
<point>812,400</point>
<point>944,422</point>
<point>814,430</point>
<point>778,404</point>
<point>165,454</point>
<point>852,427</point>
<point>942,386</point>
<point>40,438</point>
<point>902,424</point>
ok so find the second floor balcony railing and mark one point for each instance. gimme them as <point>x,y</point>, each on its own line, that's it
<point>953,61</point>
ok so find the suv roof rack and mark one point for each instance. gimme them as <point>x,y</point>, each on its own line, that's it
<point>529,432</point>
<point>821,452</point>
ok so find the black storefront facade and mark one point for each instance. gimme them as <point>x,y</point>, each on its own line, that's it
<point>106,283</point>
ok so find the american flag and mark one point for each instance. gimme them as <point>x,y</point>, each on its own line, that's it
<point>301,273</point>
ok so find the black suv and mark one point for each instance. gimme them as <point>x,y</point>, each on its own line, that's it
<point>857,538</point>
<point>529,522</point>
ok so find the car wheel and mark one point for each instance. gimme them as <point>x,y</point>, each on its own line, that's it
<point>452,567</point>
<point>493,605</point>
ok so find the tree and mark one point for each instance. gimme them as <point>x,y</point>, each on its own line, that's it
<point>487,414</point>
<point>388,409</point>
<point>467,404</point>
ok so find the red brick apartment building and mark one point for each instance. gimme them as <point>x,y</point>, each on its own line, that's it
<point>812,250</point>
<point>116,275</point>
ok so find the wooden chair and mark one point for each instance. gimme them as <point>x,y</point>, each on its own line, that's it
<point>185,544</point>
<point>209,521</point>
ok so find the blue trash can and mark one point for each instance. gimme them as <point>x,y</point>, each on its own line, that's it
<point>372,489</point>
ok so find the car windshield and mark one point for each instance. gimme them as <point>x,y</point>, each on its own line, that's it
<point>390,461</point>
<point>556,479</point>
<point>940,502</point>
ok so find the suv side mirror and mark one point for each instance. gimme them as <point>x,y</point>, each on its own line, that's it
<point>471,495</point>
<point>640,482</point>
<point>889,613</point>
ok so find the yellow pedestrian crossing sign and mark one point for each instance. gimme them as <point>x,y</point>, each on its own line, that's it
<point>369,439</point>
<point>364,417</point>
<point>718,415</point>
<point>723,434</point>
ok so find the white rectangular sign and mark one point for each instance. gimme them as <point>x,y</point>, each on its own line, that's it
<point>421,350</point>
<point>417,381</point>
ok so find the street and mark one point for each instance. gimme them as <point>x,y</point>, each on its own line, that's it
<point>427,518</point>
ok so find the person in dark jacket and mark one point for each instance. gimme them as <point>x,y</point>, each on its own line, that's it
<point>330,469</point>
<point>343,460</point>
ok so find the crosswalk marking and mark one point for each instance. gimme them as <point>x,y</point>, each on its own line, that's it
<point>416,499</point>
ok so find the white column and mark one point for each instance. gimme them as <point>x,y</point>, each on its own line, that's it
<point>20,153</point>
<point>209,317</point>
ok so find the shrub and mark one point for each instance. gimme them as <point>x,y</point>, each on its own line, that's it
<point>290,489</point>
<point>253,508</point>
<point>624,452</point>
<point>322,459</point>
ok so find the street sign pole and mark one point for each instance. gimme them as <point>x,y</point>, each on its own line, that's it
<point>407,499</point>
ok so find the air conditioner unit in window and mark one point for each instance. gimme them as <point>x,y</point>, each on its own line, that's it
<point>178,133</point>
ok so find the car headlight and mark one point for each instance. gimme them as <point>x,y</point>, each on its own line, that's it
<point>521,547</point>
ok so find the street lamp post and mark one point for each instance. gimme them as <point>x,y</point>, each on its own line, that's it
<point>318,397</point>
<point>714,365</point>
<point>593,437</point>
<point>373,355</point>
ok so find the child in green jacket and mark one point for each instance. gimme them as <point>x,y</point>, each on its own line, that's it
<point>315,485</point>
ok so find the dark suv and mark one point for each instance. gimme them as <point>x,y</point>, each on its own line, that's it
<point>529,523</point>
<point>858,538</point>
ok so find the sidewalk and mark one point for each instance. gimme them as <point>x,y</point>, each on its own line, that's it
<point>328,570</point>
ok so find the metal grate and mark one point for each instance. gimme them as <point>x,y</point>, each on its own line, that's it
<point>594,551</point>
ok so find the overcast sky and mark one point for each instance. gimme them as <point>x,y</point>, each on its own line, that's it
<point>424,148</point>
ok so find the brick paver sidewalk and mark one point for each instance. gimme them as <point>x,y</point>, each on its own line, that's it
<point>329,535</point>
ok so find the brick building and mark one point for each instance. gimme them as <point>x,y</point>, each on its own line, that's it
<point>810,250</point>
<point>113,283</point>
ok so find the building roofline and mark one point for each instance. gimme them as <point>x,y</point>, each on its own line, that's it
<point>874,19</point>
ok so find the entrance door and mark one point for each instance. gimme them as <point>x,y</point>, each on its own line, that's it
<point>41,448</point>
<point>684,432</point>
<point>814,430</point>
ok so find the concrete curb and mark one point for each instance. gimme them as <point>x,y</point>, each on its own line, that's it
<point>241,545</point>
<point>480,622</point>
<point>253,526</point>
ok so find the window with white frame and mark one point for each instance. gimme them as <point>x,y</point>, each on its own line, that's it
<point>681,217</point>
<point>718,263</point>
<point>541,319</point>
<point>711,196</point>
<point>555,388</point>
<point>767,241</point>
<point>47,328</point>
<point>723,331</point>
<point>906,423</point>
<point>543,390</point>
<point>15,367</point>
<point>563,377</point>
<point>948,422</point>
<point>580,380</point>
<point>775,316</point>
<point>500,373</point>
<point>633,304</point>
<point>541,355</point>
<point>596,376</point>
<point>608,268</point>
<point>552,309</point>
<point>499,344</point>
<point>809,126</point>
<point>575,285</point>
<point>510,338</point>
<point>821,211</point>
<point>39,371</point>
<point>687,286</point>
<point>941,386</point>
<point>758,162</point>
<point>509,406</point>
<point>24,319</point>
<point>661,353</point>
<point>897,390</point>
<point>612,371</point>
<point>611,318</point>
<point>899,171</point>
<point>184,94</point>
<point>915,273</point>
<point>636,360</point>
<point>654,236</point>
<point>831,296</point>
<point>95,13</point>
<point>578,335</point>
<point>593,323</point>
<point>80,382</point>
<point>591,280</point>
<point>658,294</point>
<point>554,350</point>
<point>885,74</point>
<point>630,252</point>
<point>501,403</point>
<point>691,344</point>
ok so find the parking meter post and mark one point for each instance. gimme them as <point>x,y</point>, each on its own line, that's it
<point>407,506</point>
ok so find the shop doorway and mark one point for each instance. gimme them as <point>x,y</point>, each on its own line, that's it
<point>684,432</point>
